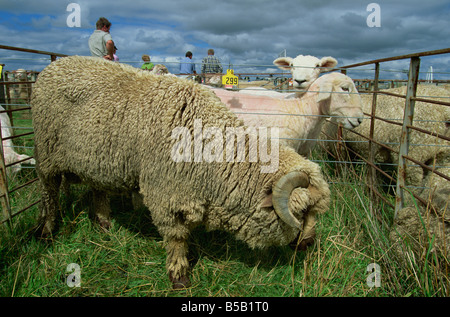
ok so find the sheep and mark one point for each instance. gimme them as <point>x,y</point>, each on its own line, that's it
<point>160,69</point>
<point>436,218</point>
<point>10,156</point>
<point>434,187</point>
<point>300,119</point>
<point>423,147</point>
<point>18,75</point>
<point>305,69</point>
<point>423,229</point>
<point>136,135</point>
<point>260,91</point>
<point>19,91</point>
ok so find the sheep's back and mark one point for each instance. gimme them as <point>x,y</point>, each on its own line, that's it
<point>108,122</point>
<point>427,116</point>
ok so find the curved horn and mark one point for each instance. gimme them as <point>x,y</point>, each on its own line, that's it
<point>282,191</point>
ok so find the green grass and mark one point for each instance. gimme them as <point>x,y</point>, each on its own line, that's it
<point>129,259</point>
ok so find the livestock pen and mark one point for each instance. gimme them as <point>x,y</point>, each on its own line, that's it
<point>337,265</point>
<point>407,124</point>
<point>15,93</point>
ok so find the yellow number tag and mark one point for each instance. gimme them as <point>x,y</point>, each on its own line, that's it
<point>229,80</point>
<point>1,70</point>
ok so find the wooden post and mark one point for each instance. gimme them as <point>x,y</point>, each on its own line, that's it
<point>408,116</point>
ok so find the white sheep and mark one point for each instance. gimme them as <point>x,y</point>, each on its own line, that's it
<point>422,231</point>
<point>435,187</point>
<point>421,228</point>
<point>423,147</point>
<point>160,69</point>
<point>305,69</point>
<point>300,119</point>
<point>19,91</point>
<point>142,141</point>
<point>9,154</point>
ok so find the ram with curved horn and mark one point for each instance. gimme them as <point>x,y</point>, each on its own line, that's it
<point>282,192</point>
<point>143,141</point>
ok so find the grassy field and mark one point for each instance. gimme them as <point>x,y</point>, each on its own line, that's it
<point>129,259</point>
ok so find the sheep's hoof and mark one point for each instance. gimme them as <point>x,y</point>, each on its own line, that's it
<point>104,223</point>
<point>44,230</point>
<point>180,283</point>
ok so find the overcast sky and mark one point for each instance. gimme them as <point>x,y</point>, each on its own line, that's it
<point>242,32</point>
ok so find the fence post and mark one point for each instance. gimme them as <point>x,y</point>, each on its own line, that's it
<point>2,87</point>
<point>408,116</point>
<point>372,170</point>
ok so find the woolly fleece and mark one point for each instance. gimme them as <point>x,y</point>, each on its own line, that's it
<point>111,125</point>
<point>423,147</point>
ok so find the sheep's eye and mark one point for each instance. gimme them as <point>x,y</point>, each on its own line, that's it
<point>345,89</point>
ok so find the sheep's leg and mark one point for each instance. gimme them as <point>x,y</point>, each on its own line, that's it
<point>50,208</point>
<point>137,200</point>
<point>174,228</point>
<point>177,263</point>
<point>102,208</point>
<point>67,194</point>
<point>66,181</point>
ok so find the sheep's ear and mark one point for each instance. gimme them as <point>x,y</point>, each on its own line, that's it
<point>324,91</point>
<point>267,202</point>
<point>328,63</point>
<point>283,63</point>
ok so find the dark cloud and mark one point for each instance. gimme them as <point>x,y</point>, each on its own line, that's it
<point>243,32</point>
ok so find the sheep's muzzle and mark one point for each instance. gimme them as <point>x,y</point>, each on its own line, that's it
<point>301,245</point>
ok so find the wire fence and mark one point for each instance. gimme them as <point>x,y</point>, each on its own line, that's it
<point>340,146</point>
<point>17,173</point>
<point>407,128</point>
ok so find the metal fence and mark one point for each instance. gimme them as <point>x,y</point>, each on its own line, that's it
<point>407,124</point>
<point>15,138</point>
<point>15,91</point>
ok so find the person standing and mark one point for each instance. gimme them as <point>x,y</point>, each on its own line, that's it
<point>101,43</point>
<point>211,66</point>
<point>116,58</point>
<point>187,66</point>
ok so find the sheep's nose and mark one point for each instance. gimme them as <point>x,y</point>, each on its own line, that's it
<point>300,81</point>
